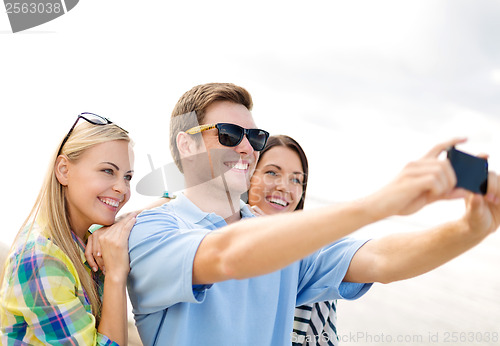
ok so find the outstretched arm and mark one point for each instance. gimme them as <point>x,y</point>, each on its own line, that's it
<point>402,256</point>
<point>265,244</point>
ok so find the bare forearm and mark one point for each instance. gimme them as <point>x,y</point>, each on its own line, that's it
<point>114,311</point>
<point>265,244</point>
<point>406,255</point>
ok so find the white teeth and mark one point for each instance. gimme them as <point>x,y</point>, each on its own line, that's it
<point>278,201</point>
<point>110,202</point>
<point>239,165</point>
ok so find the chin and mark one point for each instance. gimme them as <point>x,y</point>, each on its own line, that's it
<point>105,221</point>
<point>270,210</point>
<point>238,186</point>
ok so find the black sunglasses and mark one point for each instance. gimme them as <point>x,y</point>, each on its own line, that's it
<point>230,135</point>
<point>92,118</point>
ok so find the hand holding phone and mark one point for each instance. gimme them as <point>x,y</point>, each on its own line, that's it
<point>471,171</point>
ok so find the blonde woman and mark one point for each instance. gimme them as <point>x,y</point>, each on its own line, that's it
<point>49,294</point>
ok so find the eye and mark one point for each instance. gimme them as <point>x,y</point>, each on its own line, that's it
<point>108,171</point>
<point>128,177</point>
<point>271,173</point>
<point>296,181</point>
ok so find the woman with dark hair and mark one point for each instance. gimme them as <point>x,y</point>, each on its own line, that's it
<point>269,174</point>
<point>279,185</point>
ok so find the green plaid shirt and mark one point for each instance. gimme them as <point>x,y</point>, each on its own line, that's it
<point>42,300</point>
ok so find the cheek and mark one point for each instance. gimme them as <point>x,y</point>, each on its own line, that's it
<point>255,189</point>
<point>299,191</point>
<point>261,182</point>
<point>297,194</point>
<point>127,196</point>
<point>81,196</point>
<point>82,188</point>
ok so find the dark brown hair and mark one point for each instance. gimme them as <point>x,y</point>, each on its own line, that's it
<point>191,107</point>
<point>289,142</point>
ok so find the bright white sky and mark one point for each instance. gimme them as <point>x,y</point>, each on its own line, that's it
<point>365,86</point>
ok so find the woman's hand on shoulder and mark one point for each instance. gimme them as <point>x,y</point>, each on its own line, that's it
<point>256,210</point>
<point>107,247</point>
<point>114,247</point>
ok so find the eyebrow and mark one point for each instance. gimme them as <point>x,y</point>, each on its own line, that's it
<point>272,164</point>
<point>116,167</point>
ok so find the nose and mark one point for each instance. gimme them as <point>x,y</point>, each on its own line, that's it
<point>282,184</point>
<point>121,186</point>
<point>244,148</point>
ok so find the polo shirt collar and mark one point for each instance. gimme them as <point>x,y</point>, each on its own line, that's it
<point>245,210</point>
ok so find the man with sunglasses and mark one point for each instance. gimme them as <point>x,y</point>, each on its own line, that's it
<point>199,277</point>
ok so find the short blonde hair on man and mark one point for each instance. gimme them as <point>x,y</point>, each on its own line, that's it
<point>191,107</point>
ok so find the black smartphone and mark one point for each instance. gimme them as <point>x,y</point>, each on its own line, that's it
<point>471,171</point>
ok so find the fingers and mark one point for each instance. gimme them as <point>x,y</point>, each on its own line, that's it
<point>435,176</point>
<point>458,193</point>
<point>99,260</point>
<point>256,210</point>
<point>129,224</point>
<point>110,243</point>
<point>126,216</point>
<point>438,149</point>
<point>114,245</point>
<point>493,193</point>
<point>445,175</point>
<point>422,182</point>
<point>118,233</point>
<point>89,254</point>
<point>97,247</point>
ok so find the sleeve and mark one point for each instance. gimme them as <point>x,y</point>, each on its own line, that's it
<point>162,251</point>
<point>321,274</point>
<point>44,295</point>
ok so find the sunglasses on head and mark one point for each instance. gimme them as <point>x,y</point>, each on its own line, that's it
<point>92,118</point>
<point>230,135</point>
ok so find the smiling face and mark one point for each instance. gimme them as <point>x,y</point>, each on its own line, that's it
<point>98,184</point>
<point>277,183</point>
<point>236,163</point>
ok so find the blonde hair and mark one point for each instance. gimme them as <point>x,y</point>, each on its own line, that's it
<point>50,209</point>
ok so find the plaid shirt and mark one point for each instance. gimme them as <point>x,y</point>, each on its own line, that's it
<point>42,300</point>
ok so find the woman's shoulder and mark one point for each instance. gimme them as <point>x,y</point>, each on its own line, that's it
<point>33,244</point>
<point>37,264</point>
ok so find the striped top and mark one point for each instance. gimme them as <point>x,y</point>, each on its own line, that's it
<point>315,324</point>
<point>42,300</point>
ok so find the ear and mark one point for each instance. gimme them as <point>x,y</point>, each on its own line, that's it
<point>61,169</point>
<point>187,145</point>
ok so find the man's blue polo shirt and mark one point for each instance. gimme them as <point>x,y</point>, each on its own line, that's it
<point>169,310</point>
